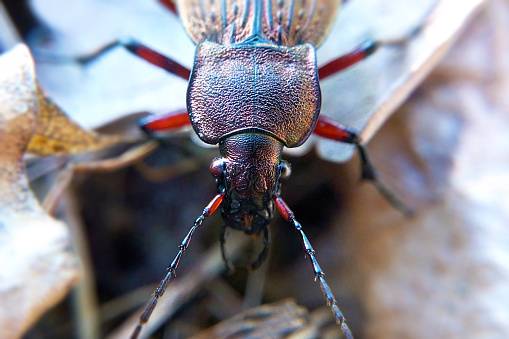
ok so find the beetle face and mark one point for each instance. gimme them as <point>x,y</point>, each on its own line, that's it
<point>254,86</point>
<point>249,172</point>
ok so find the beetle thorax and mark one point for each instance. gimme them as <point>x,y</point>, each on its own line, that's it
<point>254,86</point>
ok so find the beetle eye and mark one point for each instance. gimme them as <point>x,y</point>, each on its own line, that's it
<point>285,169</point>
<point>217,167</point>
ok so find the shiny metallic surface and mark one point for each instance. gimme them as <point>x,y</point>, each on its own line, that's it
<point>260,86</point>
<point>250,180</point>
<point>284,22</point>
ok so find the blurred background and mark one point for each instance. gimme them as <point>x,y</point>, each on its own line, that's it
<point>442,273</point>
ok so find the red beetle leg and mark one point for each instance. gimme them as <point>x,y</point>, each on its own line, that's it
<point>164,123</point>
<point>343,62</point>
<point>169,5</point>
<point>141,51</point>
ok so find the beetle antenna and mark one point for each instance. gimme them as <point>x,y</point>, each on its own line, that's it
<point>287,214</point>
<point>208,211</point>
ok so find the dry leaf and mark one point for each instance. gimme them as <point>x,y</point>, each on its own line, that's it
<point>444,273</point>
<point>56,134</point>
<point>276,320</point>
<point>38,266</point>
<point>364,96</point>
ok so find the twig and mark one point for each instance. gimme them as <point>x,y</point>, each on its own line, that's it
<point>107,165</point>
<point>84,294</point>
<point>225,301</point>
<point>181,290</point>
<point>160,174</point>
<point>255,285</point>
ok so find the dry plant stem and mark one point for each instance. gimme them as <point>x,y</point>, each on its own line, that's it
<point>41,167</point>
<point>225,302</point>
<point>107,165</point>
<point>161,174</point>
<point>126,159</point>
<point>85,296</point>
<point>52,198</point>
<point>255,285</point>
<point>208,267</point>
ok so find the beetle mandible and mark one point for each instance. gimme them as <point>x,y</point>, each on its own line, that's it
<point>254,90</point>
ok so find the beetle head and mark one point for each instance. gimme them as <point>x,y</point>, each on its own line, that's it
<point>249,172</point>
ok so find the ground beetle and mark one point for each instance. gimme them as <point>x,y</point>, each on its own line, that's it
<point>254,90</point>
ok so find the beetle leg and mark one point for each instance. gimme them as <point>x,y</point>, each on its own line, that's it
<point>260,259</point>
<point>164,123</point>
<point>141,51</point>
<point>169,4</point>
<point>370,46</point>
<point>210,210</point>
<point>341,63</point>
<point>288,216</point>
<point>222,242</point>
<point>332,130</point>
<point>262,256</point>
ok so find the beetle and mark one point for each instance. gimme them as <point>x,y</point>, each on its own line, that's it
<point>254,90</point>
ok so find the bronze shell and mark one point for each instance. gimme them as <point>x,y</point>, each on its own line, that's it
<point>284,22</point>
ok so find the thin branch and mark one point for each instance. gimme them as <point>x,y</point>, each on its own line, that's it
<point>183,289</point>
<point>86,303</point>
<point>64,178</point>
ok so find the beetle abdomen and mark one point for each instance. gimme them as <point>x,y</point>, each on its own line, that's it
<point>284,22</point>
<point>262,87</point>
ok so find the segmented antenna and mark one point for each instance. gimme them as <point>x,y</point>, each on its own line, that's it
<point>287,214</point>
<point>208,211</point>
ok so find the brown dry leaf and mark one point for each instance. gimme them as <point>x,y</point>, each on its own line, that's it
<point>444,273</point>
<point>282,319</point>
<point>364,96</point>
<point>279,320</point>
<point>55,133</point>
<point>38,266</point>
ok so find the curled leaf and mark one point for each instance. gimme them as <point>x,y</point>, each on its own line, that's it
<point>38,265</point>
<point>267,321</point>
<point>55,133</point>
